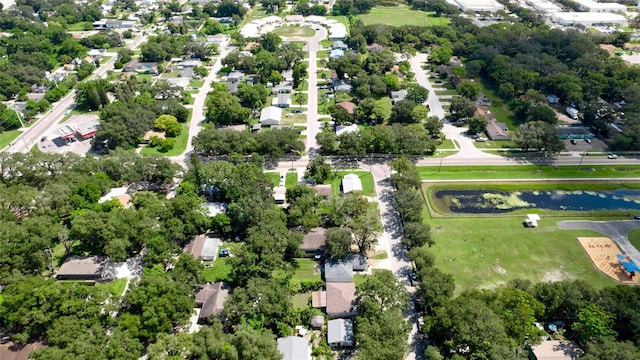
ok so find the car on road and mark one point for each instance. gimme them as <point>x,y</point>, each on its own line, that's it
<point>612,156</point>
<point>413,278</point>
<point>587,140</point>
<point>636,217</point>
<point>298,111</point>
<point>420,324</point>
<point>44,138</point>
<point>573,141</point>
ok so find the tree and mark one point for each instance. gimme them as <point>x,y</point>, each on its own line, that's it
<point>593,323</point>
<point>303,202</point>
<point>92,95</point>
<point>433,125</point>
<point>417,93</point>
<point>338,244</point>
<point>169,124</point>
<point>608,348</point>
<point>462,108</point>
<point>340,115</point>
<point>402,112</point>
<point>417,234</point>
<point>478,125</point>
<point>542,113</point>
<point>365,230</point>
<point>380,293</point>
<point>270,41</point>
<point>419,114</point>
<point>468,89</point>
<point>539,136</point>
<point>299,98</point>
<point>436,288</point>
<point>319,170</point>
<point>409,204</point>
<point>406,174</point>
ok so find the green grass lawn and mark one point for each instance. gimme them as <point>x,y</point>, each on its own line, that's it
<point>307,270</point>
<point>326,43</point>
<point>115,287</point>
<point>178,148</point>
<point>368,187</point>
<point>384,104</point>
<point>341,19</point>
<point>527,172</point>
<point>401,15</point>
<point>73,112</point>
<point>300,301</point>
<point>322,54</point>
<point>291,180</point>
<point>304,86</point>
<point>221,270</point>
<point>294,100</point>
<point>447,144</point>
<point>196,84</point>
<point>80,26</point>
<point>6,137</point>
<point>634,238</point>
<point>499,109</point>
<point>381,256</point>
<point>484,252</point>
<point>497,144</point>
<point>274,176</point>
<point>295,31</point>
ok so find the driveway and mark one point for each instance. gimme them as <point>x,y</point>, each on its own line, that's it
<point>617,230</point>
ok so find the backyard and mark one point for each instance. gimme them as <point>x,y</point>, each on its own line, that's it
<point>178,148</point>
<point>220,270</point>
<point>368,187</point>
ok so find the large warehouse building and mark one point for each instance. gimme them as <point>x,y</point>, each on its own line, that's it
<point>479,5</point>
<point>588,18</point>
<point>600,7</point>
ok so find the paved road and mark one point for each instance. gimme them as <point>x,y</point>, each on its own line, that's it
<point>617,230</point>
<point>197,112</point>
<point>390,242</point>
<point>313,125</point>
<point>32,135</point>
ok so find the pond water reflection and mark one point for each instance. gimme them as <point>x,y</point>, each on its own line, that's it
<point>496,201</point>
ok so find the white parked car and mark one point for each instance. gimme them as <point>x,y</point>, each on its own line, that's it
<point>612,156</point>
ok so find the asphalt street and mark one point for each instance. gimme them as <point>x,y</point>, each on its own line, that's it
<point>617,230</point>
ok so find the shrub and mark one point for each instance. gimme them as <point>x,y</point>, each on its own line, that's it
<point>167,144</point>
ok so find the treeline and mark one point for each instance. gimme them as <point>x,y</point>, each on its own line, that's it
<point>274,143</point>
<point>411,139</point>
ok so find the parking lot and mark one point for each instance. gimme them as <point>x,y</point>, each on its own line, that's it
<point>582,145</point>
<point>53,143</point>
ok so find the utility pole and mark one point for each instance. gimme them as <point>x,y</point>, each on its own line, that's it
<point>581,158</point>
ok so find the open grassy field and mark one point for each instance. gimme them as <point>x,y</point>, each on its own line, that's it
<point>274,176</point>
<point>527,172</point>
<point>482,252</point>
<point>7,137</point>
<point>400,15</point>
<point>384,106</point>
<point>368,187</point>
<point>178,148</point>
<point>295,31</point>
<point>300,301</point>
<point>498,108</point>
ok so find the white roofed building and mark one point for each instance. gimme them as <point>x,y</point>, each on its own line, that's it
<point>270,116</point>
<point>479,5</point>
<point>600,7</point>
<point>588,18</point>
<point>351,182</point>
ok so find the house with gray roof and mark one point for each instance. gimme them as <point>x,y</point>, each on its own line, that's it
<point>338,271</point>
<point>294,348</point>
<point>399,95</point>
<point>235,76</point>
<point>358,261</point>
<point>210,299</point>
<point>340,333</point>
<point>92,268</point>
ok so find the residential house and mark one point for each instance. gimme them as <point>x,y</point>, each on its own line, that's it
<point>189,63</point>
<point>294,347</point>
<point>340,333</point>
<point>343,129</point>
<point>338,271</point>
<point>35,96</point>
<point>92,268</point>
<point>233,87</point>
<point>399,95</point>
<point>210,299</point>
<point>217,39</point>
<point>203,247</point>
<point>557,350</point>
<point>294,18</point>
<point>336,54</point>
<point>96,54</point>
<point>497,130</point>
<point>341,299</point>
<point>270,116</point>
<point>225,20</point>
<point>339,45</point>
<point>351,182</point>
<point>109,24</point>
<point>319,299</point>
<point>340,85</point>
<point>186,72</point>
<point>119,193</point>
<point>323,190</point>
<point>180,82</point>
<point>280,194</point>
<point>141,67</point>
<point>282,88</point>
<point>39,88</point>
<point>314,241</point>
<point>235,76</point>
<point>282,101</point>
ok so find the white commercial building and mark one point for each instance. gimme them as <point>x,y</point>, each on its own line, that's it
<point>588,18</point>
<point>337,31</point>
<point>544,7</point>
<point>599,7</point>
<point>479,5</point>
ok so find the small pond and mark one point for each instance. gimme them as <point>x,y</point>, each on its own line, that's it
<point>496,201</point>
